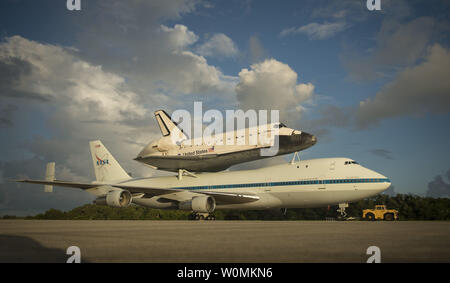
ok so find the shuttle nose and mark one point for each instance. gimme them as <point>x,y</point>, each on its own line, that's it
<point>308,139</point>
<point>297,141</point>
<point>313,139</point>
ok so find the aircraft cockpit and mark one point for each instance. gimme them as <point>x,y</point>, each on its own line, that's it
<point>351,162</point>
<point>280,125</point>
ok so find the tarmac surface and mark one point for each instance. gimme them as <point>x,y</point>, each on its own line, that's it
<point>223,241</point>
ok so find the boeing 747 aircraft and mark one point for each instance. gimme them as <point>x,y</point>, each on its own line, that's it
<point>174,151</point>
<point>306,183</point>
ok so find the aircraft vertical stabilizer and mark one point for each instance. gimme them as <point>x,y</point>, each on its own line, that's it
<point>168,127</point>
<point>106,166</point>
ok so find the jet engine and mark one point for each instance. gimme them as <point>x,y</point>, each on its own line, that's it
<point>205,204</point>
<point>119,198</point>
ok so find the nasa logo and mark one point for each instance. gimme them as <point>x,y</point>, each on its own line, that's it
<point>101,161</point>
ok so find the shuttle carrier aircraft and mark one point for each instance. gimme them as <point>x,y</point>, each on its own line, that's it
<point>174,151</point>
<point>300,184</point>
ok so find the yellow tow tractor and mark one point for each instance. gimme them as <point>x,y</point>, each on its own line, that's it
<point>380,212</point>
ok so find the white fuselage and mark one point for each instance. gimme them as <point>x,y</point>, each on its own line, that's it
<point>307,183</point>
<point>223,150</point>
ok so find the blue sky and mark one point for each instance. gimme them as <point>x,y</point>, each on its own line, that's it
<point>372,85</point>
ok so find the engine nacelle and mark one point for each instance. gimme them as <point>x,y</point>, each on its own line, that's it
<point>205,204</point>
<point>119,198</point>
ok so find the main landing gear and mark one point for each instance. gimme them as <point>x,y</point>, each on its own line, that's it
<point>201,216</point>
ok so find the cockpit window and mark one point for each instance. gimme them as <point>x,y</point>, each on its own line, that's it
<point>351,162</point>
<point>281,125</point>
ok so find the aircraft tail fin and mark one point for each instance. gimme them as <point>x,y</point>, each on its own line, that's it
<point>106,166</point>
<point>169,127</point>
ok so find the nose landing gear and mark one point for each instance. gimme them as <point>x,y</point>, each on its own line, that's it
<point>341,210</point>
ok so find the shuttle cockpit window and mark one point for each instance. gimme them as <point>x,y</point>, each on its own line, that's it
<point>280,125</point>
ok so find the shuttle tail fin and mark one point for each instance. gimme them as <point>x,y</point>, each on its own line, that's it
<point>106,166</point>
<point>169,127</point>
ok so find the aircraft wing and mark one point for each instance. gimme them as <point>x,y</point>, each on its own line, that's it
<point>179,157</point>
<point>148,191</point>
<point>168,193</point>
<point>199,157</point>
<point>220,197</point>
<point>83,186</point>
<point>231,198</point>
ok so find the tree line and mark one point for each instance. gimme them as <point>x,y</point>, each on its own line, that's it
<point>410,207</point>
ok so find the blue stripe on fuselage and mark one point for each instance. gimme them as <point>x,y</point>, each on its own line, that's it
<point>287,183</point>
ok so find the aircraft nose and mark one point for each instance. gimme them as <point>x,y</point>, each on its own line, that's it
<point>385,182</point>
<point>307,138</point>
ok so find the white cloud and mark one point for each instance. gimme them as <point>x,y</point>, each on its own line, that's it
<point>272,85</point>
<point>82,89</point>
<point>76,100</point>
<point>178,37</point>
<point>415,91</point>
<point>397,45</point>
<point>256,49</point>
<point>218,45</point>
<point>124,65</point>
<point>316,30</point>
<point>130,41</point>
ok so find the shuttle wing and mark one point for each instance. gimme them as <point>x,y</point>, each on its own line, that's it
<point>179,157</point>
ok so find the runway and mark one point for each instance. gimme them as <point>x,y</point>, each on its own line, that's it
<point>223,241</point>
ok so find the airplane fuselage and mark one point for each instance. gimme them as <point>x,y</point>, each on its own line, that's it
<point>308,183</point>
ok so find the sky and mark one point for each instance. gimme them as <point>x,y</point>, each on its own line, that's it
<point>372,85</point>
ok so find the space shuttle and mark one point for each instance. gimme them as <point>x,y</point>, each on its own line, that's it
<point>175,151</point>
